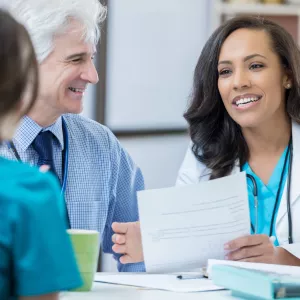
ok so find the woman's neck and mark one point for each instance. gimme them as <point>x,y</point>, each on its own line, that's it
<point>270,138</point>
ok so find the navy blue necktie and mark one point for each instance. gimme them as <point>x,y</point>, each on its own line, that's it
<point>42,144</point>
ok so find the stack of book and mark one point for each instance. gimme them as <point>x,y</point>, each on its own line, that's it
<point>258,282</point>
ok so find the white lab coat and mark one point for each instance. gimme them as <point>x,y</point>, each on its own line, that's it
<point>192,171</point>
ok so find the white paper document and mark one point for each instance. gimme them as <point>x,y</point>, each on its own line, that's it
<point>168,282</point>
<point>182,227</point>
<point>277,269</point>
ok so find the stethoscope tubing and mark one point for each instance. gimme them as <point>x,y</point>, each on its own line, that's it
<point>255,194</point>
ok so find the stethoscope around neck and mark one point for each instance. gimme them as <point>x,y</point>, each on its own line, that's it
<point>65,155</point>
<point>288,205</point>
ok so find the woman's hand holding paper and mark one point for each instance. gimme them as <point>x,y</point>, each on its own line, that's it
<point>258,248</point>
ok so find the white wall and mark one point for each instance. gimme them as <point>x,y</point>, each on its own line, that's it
<point>89,104</point>
<point>152,50</point>
<point>159,157</point>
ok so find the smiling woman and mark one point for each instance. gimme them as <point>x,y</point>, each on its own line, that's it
<point>246,100</point>
<point>244,115</point>
<point>245,85</point>
<point>252,87</point>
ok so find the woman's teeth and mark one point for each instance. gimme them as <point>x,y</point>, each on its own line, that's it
<point>246,100</point>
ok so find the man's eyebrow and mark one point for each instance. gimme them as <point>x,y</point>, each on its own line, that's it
<point>80,54</point>
<point>228,62</point>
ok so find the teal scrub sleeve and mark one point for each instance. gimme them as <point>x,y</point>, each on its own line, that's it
<point>43,258</point>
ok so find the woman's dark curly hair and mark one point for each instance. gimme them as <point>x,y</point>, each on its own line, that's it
<point>217,140</point>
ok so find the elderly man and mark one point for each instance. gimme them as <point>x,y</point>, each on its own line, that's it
<point>98,178</point>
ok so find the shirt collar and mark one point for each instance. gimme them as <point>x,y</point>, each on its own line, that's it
<point>56,129</point>
<point>29,129</point>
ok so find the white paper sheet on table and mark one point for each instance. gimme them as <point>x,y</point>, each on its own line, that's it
<point>182,227</point>
<point>167,282</point>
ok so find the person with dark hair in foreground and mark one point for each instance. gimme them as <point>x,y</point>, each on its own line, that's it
<point>36,256</point>
<point>244,115</point>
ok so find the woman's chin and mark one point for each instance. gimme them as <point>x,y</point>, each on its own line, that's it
<point>251,123</point>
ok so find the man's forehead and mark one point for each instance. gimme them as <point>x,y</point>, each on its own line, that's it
<point>83,48</point>
<point>69,46</point>
<point>74,54</point>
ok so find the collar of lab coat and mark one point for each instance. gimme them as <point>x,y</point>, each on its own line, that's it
<point>294,184</point>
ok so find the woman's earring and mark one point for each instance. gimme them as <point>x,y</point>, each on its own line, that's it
<point>288,86</point>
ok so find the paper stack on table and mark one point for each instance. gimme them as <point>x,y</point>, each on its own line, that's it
<point>182,227</point>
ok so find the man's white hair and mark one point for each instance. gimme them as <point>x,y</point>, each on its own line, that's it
<point>44,19</point>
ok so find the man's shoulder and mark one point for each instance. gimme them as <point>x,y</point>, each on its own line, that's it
<point>89,130</point>
<point>75,121</point>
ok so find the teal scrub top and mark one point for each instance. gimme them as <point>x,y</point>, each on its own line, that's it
<point>266,196</point>
<point>36,255</point>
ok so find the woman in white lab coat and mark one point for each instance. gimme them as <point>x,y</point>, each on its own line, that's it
<point>244,115</point>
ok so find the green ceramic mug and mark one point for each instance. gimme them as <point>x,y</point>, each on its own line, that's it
<point>86,248</point>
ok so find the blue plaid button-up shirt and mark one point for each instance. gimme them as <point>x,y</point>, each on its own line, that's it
<point>102,179</point>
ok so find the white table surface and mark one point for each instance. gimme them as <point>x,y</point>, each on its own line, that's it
<point>101,291</point>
